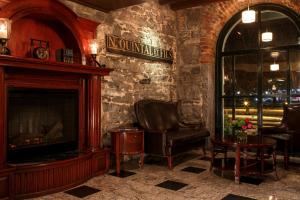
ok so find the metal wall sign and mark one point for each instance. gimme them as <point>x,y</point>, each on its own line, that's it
<point>115,44</point>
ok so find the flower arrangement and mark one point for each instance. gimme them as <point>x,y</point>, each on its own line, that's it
<point>233,127</point>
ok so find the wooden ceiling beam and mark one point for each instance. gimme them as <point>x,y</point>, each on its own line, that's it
<point>108,5</point>
<point>90,5</point>
<point>162,2</point>
<point>191,3</point>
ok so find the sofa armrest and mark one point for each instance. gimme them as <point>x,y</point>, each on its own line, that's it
<point>155,142</point>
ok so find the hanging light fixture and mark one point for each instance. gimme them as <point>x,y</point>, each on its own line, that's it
<point>274,67</point>
<point>248,16</point>
<point>267,36</point>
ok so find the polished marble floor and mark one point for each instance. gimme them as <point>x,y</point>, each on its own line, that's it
<point>190,179</point>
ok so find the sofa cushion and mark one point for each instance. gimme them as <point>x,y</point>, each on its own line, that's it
<point>186,135</point>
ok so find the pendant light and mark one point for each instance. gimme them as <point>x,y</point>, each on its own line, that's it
<point>267,36</point>
<point>274,66</point>
<point>248,16</point>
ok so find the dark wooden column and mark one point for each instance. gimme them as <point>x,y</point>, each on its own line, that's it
<point>94,112</point>
<point>2,118</point>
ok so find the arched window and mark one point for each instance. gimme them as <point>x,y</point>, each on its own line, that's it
<point>255,76</point>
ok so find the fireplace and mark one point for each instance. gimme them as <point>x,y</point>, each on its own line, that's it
<point>50,138</point>
<point>42,124</point>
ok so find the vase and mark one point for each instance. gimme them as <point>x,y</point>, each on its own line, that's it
<point>241,136</point>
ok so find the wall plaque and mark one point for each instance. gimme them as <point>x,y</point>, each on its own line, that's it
<point>115,44</point>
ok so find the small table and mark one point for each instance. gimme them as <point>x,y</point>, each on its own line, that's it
<point>127,141</point>
<point>251,142</point>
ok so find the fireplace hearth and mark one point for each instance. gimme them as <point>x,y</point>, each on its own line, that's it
<point>42,124</point>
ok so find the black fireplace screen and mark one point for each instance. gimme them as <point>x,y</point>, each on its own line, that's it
<point>41,122</point>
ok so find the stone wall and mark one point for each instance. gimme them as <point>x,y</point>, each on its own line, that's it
<point>198,31</point>
<point>149,23</point>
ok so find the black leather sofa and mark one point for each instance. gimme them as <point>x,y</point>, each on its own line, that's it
<point>165,135</point>
<point>287,133</point>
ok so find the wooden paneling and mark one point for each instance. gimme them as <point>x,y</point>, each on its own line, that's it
<point>2,118</point>
<point>35,180</point>
<point>4,2</point>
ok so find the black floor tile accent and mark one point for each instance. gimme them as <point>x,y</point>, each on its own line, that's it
<point>236,197</point>
<point>172,185</point>
<point>195,170</point>
<point>251,180</point>
<point>82,191</point>
<point>206,158</point>
<point>123,174</point>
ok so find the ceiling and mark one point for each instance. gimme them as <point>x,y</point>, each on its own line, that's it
<point>109,5</point>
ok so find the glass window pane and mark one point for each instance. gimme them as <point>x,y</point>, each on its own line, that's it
<point>272,112</point>
<point>295,74</point>
<point>284,30</point>
<point>227,113</point>
<point>242,36</point>
<point>246,68</point>
<point>275,81</point>
<point>246,108</point>
<point>227,76</point>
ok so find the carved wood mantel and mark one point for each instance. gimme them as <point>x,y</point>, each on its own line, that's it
<point>21,71</point>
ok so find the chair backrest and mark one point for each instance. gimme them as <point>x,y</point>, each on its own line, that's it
<point>291,117</point>
<point>157,114</point>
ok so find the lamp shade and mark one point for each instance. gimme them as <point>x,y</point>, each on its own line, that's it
<point>274,67</point>
<point>267,36</point>
<point>248,16</point>
<point>5,25</point>
<point>94,47</point>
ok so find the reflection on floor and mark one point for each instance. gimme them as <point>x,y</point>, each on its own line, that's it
<point>156,182</point>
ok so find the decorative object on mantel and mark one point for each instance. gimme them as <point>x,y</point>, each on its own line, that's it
<point>39,49</point>
<point>65,55</point>
<point>115,44</point>
<point>5,27</point>
<point>94,51</point>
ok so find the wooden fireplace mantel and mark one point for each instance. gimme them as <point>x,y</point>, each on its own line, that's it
<point>52,21</point>
<point>36,64</point>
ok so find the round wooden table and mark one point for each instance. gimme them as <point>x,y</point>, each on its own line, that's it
<point>258,143</point>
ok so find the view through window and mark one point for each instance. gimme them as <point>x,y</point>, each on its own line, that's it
<point>257,76</point>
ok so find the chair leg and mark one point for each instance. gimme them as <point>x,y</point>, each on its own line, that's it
<point>212,160</point>
<point>275,163</point>
<point>170,162</point>
<point>286,155</point>
<point>204,151</point>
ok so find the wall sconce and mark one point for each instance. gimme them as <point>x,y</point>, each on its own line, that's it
<point>248,16</point>
<point>5,27</point>
<point>94,46</point>
<point>267,36</point>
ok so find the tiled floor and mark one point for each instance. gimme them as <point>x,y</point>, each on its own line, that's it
<point>149,182</point>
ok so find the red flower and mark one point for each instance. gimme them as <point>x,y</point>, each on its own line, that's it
<point>247,120</point>
<point>244,127</point>
<point>250,126</point>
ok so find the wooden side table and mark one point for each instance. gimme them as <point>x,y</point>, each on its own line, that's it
<point>127,141</point>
